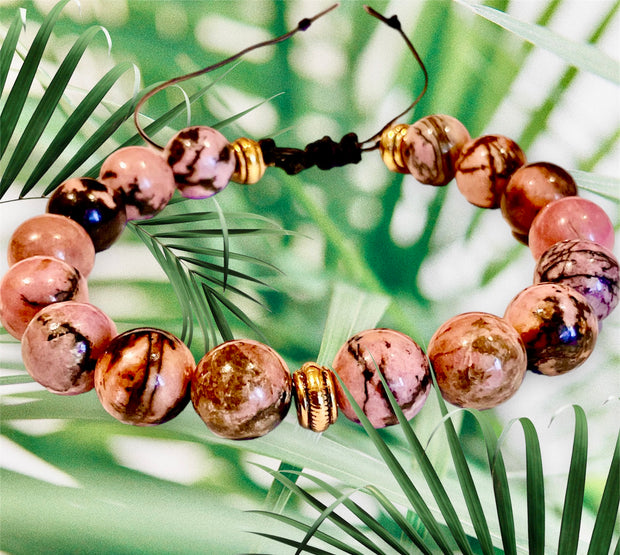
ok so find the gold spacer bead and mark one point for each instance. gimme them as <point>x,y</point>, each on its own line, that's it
<point>390,146</point>
<point>315,397</point>
<point>250,166</point>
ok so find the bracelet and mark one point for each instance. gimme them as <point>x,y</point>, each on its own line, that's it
<point>243,389</point>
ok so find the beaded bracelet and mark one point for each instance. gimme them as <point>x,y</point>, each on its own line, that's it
<point>242,388</point>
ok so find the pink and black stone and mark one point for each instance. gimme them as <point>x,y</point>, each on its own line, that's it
<point>402,363</point>
<point>33,284</point>
<point>241,389</point>
<point>143,377</point>
<point>202,161</point>
<point>479,360</point>
<point>61,345</point>
<point>587,267</point>
<point>557,325</point>
<point>99,209</point>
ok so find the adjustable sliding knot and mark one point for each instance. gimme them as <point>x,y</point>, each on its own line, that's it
<point>325,154</point>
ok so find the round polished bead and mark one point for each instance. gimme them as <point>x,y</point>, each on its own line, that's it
<point>143,377</point>
<point>144,177</point>
<point>557,325</point>
<point>403,365</point>
<point>390,146</point>
<point>484,168</point>
<point>314,389</point>
<point>431,147</point>
<point>202,161</point>
<point>61,345</point>
<point>529,190</point>
<point>585,266</point>
<point>56,236</point>
<point>249,164</point>
<point>241,389</point>
<point>570,218</point>
<point>99,209</point>
<point>32,284</point>
<point>479,360</point>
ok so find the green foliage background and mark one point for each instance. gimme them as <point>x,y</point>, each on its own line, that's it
<point>73,480</point>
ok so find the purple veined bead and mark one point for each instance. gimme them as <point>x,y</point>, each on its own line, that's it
<point>144,177</point>
<point>143,377</point>
<point>557,326</point>
<point>99,209</point>
<point>401,361</point>
<point>61,345</point>
<point>241,389</point>
<point>479,360</point>
<point>202,161</point>
<point>56,236</point>
<point>484,168</point>
<point>34,283</point>
<point>431,147</point>
<point>587,267</point>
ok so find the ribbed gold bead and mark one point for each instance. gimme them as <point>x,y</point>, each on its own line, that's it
<point>390,147</point>
<point>315,397</point>
<point>250,166</point>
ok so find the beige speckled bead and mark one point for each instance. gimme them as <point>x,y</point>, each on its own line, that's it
<point>315,397</point>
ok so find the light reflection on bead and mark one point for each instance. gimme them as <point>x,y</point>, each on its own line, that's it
<point>315,397</point>
<point>390,147</point>
<point>250,166</point>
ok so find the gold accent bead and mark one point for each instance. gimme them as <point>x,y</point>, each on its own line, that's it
<point>315,397</point>
<point>250,166</point>
<point>391,145</point>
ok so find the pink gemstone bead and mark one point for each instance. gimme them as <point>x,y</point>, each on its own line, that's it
<point>570,218</point>
<point>479,360</point>
<point>202,161</point>
<point>529,190</point>
<point>144,177</point>
<point>56,236</point>
<point>62,343</point>
<point>143,377</point>
<point>585,266</point>
<point>241,389</point>
<point>557,325</point>
<point>431,147</point>
<point>34,283</point>
<point>484,168</point>
<point>401,361</point>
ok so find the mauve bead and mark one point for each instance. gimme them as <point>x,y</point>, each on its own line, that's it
<point>484,168</point>
<point>99,209</point>
<point>431,147</point>
<point>143,176</point>
<point>529,190</point>
<point>401,361</point>
<point>143,377</point>
<point>202,161</point>
<point>557,325</point>
<point>56,236</point>
<point>570,218</point>
<point>32,284</point>
<point>61,345</point>
<point>479,360</point>
<point>585,266</point>
<point>241,389</point>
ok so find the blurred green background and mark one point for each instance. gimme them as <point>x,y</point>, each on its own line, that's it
<point>73,480</point>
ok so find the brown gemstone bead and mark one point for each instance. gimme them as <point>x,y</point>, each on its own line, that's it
<point>314,390</point>
<point>249,163</point>
<point>56,236</point>
<point>431,148</point>
<point>529,190</point>
<point>484,168</point>
<point>557,326</point>
<point>241,389</point>
<point>143,377</point>
<point>33,284</point>
<point>479,360</point>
